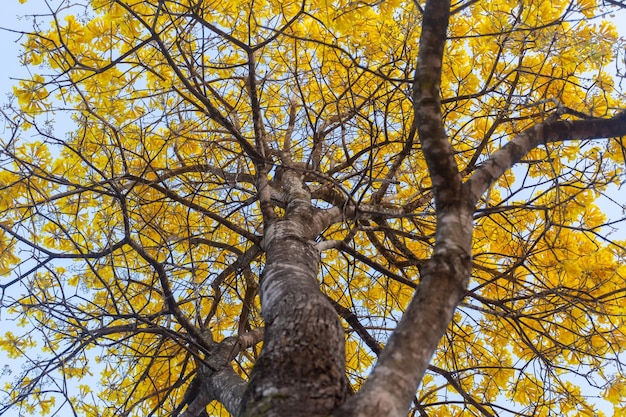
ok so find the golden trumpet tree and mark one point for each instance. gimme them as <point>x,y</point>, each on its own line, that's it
<point>314,208</point>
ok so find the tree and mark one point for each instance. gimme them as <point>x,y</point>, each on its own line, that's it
<point>306,208</point>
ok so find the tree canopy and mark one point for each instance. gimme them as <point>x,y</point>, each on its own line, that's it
<point>314,208</point>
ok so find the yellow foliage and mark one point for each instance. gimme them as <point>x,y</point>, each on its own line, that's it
<point>162,108</point>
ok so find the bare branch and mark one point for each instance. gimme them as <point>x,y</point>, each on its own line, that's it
<point>542,133</point>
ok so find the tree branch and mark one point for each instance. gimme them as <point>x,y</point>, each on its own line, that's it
<point>391,386</point>
<point>216,379</point>
<point>542,133</point>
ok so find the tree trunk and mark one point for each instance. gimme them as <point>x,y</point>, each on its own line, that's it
<point>301,369</point>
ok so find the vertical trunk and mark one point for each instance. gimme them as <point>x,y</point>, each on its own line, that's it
<point>443,280</point>
<point>391,387</point>
<point>301,369</point>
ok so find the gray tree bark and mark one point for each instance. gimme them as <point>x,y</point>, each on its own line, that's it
<point>301,369</point>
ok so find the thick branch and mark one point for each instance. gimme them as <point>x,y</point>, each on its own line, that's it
<point>392,385</point>
<point>438,151</point>
<point>216,379</point>
<point>394,380</point>
<point>542,133</point>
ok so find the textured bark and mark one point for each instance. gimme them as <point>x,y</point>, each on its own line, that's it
<point>216,379</point>
<point>391,387</point>
<point>223,385</point>
<point>547,132</point>
<point>300,371</point>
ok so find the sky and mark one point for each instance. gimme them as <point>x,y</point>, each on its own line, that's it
<point>10,42</point>
<point>11,70</point>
